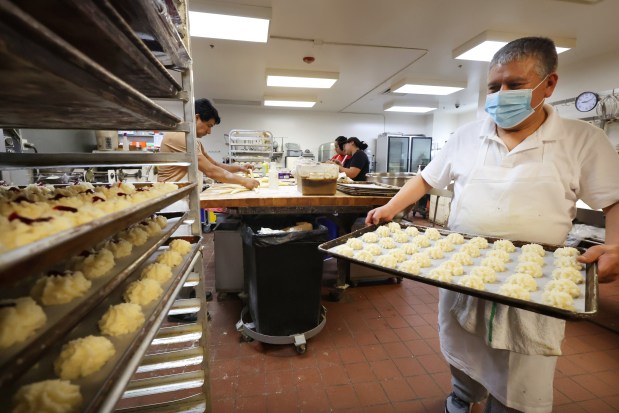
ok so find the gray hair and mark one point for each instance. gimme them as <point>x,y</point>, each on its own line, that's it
<point>541,49</point>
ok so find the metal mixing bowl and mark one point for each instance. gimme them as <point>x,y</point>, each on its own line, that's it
<point>390,178</point>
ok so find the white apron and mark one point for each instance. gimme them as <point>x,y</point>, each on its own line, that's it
<point>524,202</point>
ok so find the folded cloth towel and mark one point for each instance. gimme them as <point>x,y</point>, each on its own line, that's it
<point>509,328</point>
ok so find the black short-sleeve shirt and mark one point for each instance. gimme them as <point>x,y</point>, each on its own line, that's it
<point>359,160</point>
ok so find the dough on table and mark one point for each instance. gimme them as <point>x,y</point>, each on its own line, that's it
<point>494,263</point>
<point>48,396</point>
<point>531,268</point>
<point>504,244</point>
<point>568,273</point>
<point>533,249</point>
<point>60,289</point>
<point>369,237</point>
<point>354,243</point>
<point>374,249</point>
<point>411,231</point>
<point>472,281</point>
<point>515,291</point>
<point>523,280</point>
<point>121,319</point>
<point>485,273</point>
<point>532,257</point>
<point>169,258</point>
<point>83,356</point>
<point>559,299</point>
<point>564,285</point>
<point>432,233</point>
<point>181,246</point>
<point>142,292</point>
<point>161,272</point>
<point>455,238</point>
<point>19,319</point>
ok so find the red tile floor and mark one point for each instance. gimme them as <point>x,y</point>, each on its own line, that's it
<point>379,352</point>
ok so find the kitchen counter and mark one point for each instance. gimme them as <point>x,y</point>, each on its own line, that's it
<point>341,208</point>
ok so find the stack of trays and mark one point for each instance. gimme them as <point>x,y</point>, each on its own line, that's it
<point>548,279</point>
<point>368,189</point>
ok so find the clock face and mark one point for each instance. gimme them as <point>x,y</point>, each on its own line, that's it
<point>586,101</point>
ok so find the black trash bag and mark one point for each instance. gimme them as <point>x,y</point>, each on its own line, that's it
<point>283,274</point>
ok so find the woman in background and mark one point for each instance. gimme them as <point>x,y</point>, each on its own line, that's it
<point>340,156</point>
<point>358,165</point>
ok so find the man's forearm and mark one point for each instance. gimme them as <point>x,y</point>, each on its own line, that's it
<point>612,224</point>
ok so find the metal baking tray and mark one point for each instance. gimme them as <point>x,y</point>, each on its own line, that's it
<point>589,304</point>
<point>61,318</point>
<point>101,390</point>
<point>44,253</point>
<point>367,189</point>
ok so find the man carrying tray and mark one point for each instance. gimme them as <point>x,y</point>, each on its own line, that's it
<point>517,175</point>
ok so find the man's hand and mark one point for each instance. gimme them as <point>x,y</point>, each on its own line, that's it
<point>250,183</point>
<point>378,215</point>
<point>607,257</point>
<point>246,168</point>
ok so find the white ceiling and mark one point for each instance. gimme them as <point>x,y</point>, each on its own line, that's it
<point>373,44</point>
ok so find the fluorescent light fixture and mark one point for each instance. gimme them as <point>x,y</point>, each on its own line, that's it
<point>432,87</point>
<point>393,107</point>
<point>290,102</point>
<point>483,46</point>
<point>301,78</point>
<point>236,22</point>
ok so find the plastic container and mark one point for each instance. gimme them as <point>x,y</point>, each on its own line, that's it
<point>317,179</point>
<point>107,140</point>
<point>283,272</point>
<point>273,176</point>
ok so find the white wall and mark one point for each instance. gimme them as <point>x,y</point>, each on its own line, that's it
<point>308,128</point>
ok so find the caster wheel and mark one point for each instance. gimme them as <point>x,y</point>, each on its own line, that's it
<point>301,349</point>
<point>335,296</point>
<point>246,339</point>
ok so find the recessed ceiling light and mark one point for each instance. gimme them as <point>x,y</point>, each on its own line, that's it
<point>290,102</point>
<point>427,87</point>
<point>301,78</point>
<point>393,107</point>
<point>483,46</point>
<point>223,26</point>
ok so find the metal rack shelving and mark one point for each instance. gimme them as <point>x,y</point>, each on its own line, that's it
<point>248,145</point>
<point>94,65</point>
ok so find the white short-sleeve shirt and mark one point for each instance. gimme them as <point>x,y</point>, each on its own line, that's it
<point>583,155</point>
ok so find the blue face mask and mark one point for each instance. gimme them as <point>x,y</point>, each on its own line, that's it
<point>509,108</point>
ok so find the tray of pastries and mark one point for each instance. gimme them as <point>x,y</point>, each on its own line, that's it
<point>546,279</point>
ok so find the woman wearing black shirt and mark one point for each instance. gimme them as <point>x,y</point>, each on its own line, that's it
<point>358,165</point>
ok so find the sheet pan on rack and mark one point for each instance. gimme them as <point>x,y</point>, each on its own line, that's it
<point>585,307</point>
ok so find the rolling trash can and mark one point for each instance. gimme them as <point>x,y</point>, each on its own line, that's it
<point>283,275</point>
